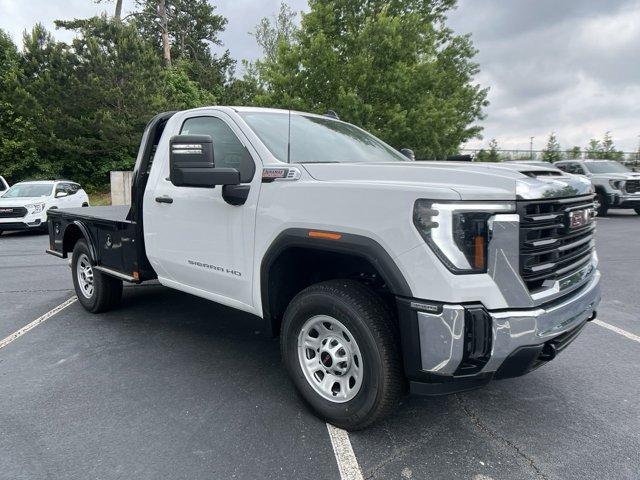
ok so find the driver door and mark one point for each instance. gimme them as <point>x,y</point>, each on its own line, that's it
<point>197,241</point>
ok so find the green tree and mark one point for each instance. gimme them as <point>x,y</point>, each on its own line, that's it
<point>242,90</point>
<point>271,33</point>
<point>18,154</point>
<point>481,156</point>
<point>552,152</point>
<point>493,155</point>
<point>391,67</point>
<point>113,84</point>
<point>185,30</point>
<point>575,153</point>
<point>594,150</point>
<point>609,150</point>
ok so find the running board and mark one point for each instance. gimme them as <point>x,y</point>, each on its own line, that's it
<point>115,273</point>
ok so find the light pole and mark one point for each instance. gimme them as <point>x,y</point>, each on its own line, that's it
<point>531,147</point>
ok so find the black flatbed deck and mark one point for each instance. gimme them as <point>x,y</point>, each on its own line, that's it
<point>112,213</point>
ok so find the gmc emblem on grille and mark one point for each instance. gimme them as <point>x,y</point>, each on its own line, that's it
<point>6,210</point>
<point>579,218</point>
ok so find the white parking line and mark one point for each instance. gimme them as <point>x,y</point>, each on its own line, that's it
<point>619,331</point>
<point>347,461</point>
<point>15,335</point>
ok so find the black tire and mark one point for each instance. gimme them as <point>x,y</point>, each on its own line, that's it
<point>371,323</point>
<point>603,209</point>
<point>637,210</point>
<point>107,290</point>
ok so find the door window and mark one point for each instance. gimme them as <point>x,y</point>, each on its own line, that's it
<point>71,188</point>
<point>228,151</point>
<point>575,168</point>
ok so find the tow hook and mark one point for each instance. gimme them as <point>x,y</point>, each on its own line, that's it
<point>548,353</point>
<point>593,316</point>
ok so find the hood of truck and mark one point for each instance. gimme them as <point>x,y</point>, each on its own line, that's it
<point>471,181</point>
<point>21,201</point>
<point>616,176</point>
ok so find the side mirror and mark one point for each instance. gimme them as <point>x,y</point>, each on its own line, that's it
<point>410,154</point>
<point>191,163</point>
<point>61,194</point>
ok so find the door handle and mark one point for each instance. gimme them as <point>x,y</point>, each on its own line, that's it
<point>164,199</point>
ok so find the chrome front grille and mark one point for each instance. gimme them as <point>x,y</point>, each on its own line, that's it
<point>550,249</point>
<point>632,186</point>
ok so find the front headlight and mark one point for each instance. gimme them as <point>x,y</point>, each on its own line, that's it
<point>458,232</point>
<point>616,184</point>
<point>35,208</point>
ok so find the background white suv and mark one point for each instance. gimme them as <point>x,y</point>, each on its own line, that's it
<point>24,206</point>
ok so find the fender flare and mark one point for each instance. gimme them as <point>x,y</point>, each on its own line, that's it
<point>87,236</point>
<point>351,244</point>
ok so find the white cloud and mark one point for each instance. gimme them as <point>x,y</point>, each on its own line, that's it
<point>567,67</point>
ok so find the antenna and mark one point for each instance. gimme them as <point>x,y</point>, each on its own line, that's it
<point>289,139</point>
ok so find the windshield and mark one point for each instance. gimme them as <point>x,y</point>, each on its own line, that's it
<point>317,139</point>
<point>28,190</point>
<point>606,167</point>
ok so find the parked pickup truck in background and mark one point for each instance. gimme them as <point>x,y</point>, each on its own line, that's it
<point>377,272</point>
<point>616,186</point>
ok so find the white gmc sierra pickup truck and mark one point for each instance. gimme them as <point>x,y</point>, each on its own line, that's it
<point>376,272</point>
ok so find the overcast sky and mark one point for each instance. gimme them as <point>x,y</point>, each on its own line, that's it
<point>569,66</point>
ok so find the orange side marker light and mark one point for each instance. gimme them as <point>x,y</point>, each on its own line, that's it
<point>325,235</point>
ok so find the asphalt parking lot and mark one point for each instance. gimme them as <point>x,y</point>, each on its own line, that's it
<point>172,386</point>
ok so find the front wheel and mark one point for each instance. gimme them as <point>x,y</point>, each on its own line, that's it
<point>340,345</point>
<point>600,204</point>
<point>96,291</point>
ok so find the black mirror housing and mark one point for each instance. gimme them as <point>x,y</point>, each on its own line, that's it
<point>407,152</point>
<point>191,163</point>
<point>204,177</point>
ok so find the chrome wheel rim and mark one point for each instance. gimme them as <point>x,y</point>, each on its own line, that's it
<point>330,359</point>
<point>84,272</point>
<point>596,203</point>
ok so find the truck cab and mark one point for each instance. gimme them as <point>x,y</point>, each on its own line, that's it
<point>378,273</point>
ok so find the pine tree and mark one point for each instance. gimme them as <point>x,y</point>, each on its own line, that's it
<point>493,155</point>
<point>552,152</point>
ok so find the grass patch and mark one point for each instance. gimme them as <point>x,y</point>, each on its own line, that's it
<point>97,199</point>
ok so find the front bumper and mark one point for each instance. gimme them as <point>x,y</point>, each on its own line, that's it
<point>624,200</point>
<point>9,224</point>
<point>449,348</point>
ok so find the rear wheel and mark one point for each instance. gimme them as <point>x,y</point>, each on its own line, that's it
<point>340,346</point>
<point>600,204</point>
<point>96,291</point>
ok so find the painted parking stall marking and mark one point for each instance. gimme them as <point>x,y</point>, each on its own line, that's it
<point>619,331</point>
<point>15,335</point>
<point>347,461</point>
